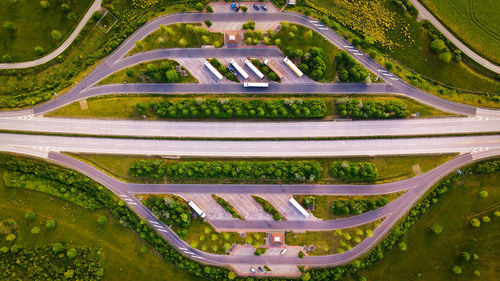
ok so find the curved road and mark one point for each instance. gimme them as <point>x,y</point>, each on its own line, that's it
<point>423,13</point>
<point>96,6</point>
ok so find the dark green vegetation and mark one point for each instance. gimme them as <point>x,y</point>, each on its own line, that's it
<point>268,208</point>
<point>171,210</point>
<point>29,36</point>
<point>27,87</point>
<point>271,75</point>
<point>161,71</point>
<point>349,69</point>
<point>458,243</point>
<point>354,171</point>
<point>223,70</point>
<point>74,227</point>
<point>147,169</point>
<point>236,108</point>
<point>473,22</point>
<point>179,35</point>
<point>392,36</point>
<point>228,207</point>
<point>315,53</point>
<point>357,206</point>
<point>277,170</point>
<point>358,109</point>
<point>332,242</point>
<point>124,107</point>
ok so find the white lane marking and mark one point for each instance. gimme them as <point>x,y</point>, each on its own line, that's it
<point>323,28</point>
<point>479,149</point>
<point>313,21</point>
<point>394,78</point>
<point>162,230</point>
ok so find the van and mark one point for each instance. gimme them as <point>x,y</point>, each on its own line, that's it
<point>283,251</point>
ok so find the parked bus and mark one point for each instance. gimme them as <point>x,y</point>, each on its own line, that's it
<point>293,67</point>
<point>213,70</point>
<point>255,85</point>
<point>239,69</point>
<point>254,69</point>
<point>299,207</point>
<point>197,209</point>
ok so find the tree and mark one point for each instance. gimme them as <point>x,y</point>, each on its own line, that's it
<point>475,222</point>
<point>139,45</point>
<point>183,42</point>
<point>130,73</point>
<point>4,250</point>
<point>301,255</point>
<point>477,273</point>
<point>69,273</point>
<point>445,57</point>
<point>56,35</point>
<point>71,253</point>
<point>244,9</point>
<point>16,248</point>
<point>436,228</point>
<point>35,230</point>
<point>272,76</point>
<point>306,276</point>
<point>10,238</point>
<point>65,7</point>
<point>9,26</point>
<point>199,6</point>
<point>208,22</point>
<point>209,9</point>
<point>402,246</point>
<point>141,108</point>
<point>39,50</point>
<point>438,45</point>
<point>71,16</point>
<point>172,76</point>
<point>485,219</point>
<point>144,249</point>
<point>465,256</point>
<point>457,269</point>
<point>50,224</point>
<point>30,216</point>
<point>362,278</point>
<point>102,220</point>
<point>483,193</point>
<point>231,275</point>
<point>44,4</point>
<point>57,248</point>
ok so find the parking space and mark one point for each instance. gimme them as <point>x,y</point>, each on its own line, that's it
<point>281,203</point>
<point>267,270</point>
<point>223,26</point>
<point>226,7</point>
<point>246,206</point>
<point>208,204</point>
<point>288,76</point>
<point>198,69</point>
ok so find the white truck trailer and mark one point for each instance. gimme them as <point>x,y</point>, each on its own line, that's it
<point>239,69</point>
<point>213,70</point>
<point>293,67</point>
<point>299,207</point>
<point>197,209</point>
<point>254,69</point>
<point>255,85</point>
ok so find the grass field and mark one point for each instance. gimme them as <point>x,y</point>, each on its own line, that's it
<point>331,242</point>
<point>179,35</point>
<point>120,107</point>
<point>475,22</point>
<point>77,226</point>
<point>431,257</point>
<point>390,168</point>
<point>405,40</point>
<point>140,76</point>
<point>35,24</point>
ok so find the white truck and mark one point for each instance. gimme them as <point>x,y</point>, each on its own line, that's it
<point>213,70</point>
<point>299,207</point>
<point>293,67</point>
<point>255,85</point>
<point>239,69</point>
<point>254,69</point>
<point>197,209</point>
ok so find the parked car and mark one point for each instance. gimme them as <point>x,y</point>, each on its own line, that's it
<point>283,251</point>
<point>232,70</point>
<point>256,7</point>
<point>235,6</point>
<point>261,269</point>
<point>252,270</point>
<point>263,7</point>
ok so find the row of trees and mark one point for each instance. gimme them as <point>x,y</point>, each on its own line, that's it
<point>349,70</point>
<point>268,208</point>
<point>51,262</point>
<point>164,73</point>
<point>279,170</point>
<point>236,108</point>
<point>230,209</point>
<point>359,109</point>
<point>170,210</point>
<point>357,206</point>
<point>147,169</point>
<point>354,171</point>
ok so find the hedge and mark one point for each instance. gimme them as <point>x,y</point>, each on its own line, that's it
<point>354,171</point>
<point>357,206</point>
<point>236,108</point>
<point>359,109</point>
<point>278,170</point>
<point>228,207</point>
<point>147,169</point>
<point>223,70</point>
<point>268,208</point>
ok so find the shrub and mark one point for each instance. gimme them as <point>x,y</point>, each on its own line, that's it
<point>30,216</point>
<point>71,253</point>
<point>44,4</point>
<point>209,10</point>
<point>56,35</point>
<point>465,256</point>
<point>16,248</point>
<point>141,108</point>
<point>230,209</point>
<point>172,76</point>
<point>359,109</point>
<point>268,208</point>
<point>147,169</point>
<point>143,249</point>
<point>102,220</point>
<point>199,6</point>
<point>65,7</point>
<point>475,222</point>
<point>485,219</point>
<point>457,269</point>
<point>354,171</point>
<point>301,255</point>
<point>357,206</point>
<point>445,57</point>
<point>477,273</point>
<point>208,22</point>
<point>50,224</point>
<point>483,193</point>
<point>436,228</point>
<point>244,9</point>
<point>71,17</point>
<point>349,69</point>
<point>130,73</point>
<point>39,50</point>
<point>57,248</point>
<point>438,45</point>
<point>10,238</point>
<point>35,230</point>
<point>402,246</point>
<point>9,26</point>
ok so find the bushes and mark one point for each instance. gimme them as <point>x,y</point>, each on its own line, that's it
<point>278,170</point>
<point>357,206</point>
<point>268,208</point>
<point>236,108</point>
<point>223,70</point>
<point>230,209</point>
<point>349,70</point>
<point>170,210</point>
<point>359,171</point>
<point>147,169</point>
<point>359,109</point>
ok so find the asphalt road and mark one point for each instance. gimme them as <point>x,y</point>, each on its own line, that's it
<point>252,129</point>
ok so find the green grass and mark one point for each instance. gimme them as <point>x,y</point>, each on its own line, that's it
<point>35,24</point>
<point>330,242</point>
<point>475,23</point>
<point>406,41</point>
<point>323,207</point>
<point>170,37</point>
<point>140,76</point>
<point>390,168</point>
<point>120,107</point>
<point>431,257</point>
<point>77,226</point>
